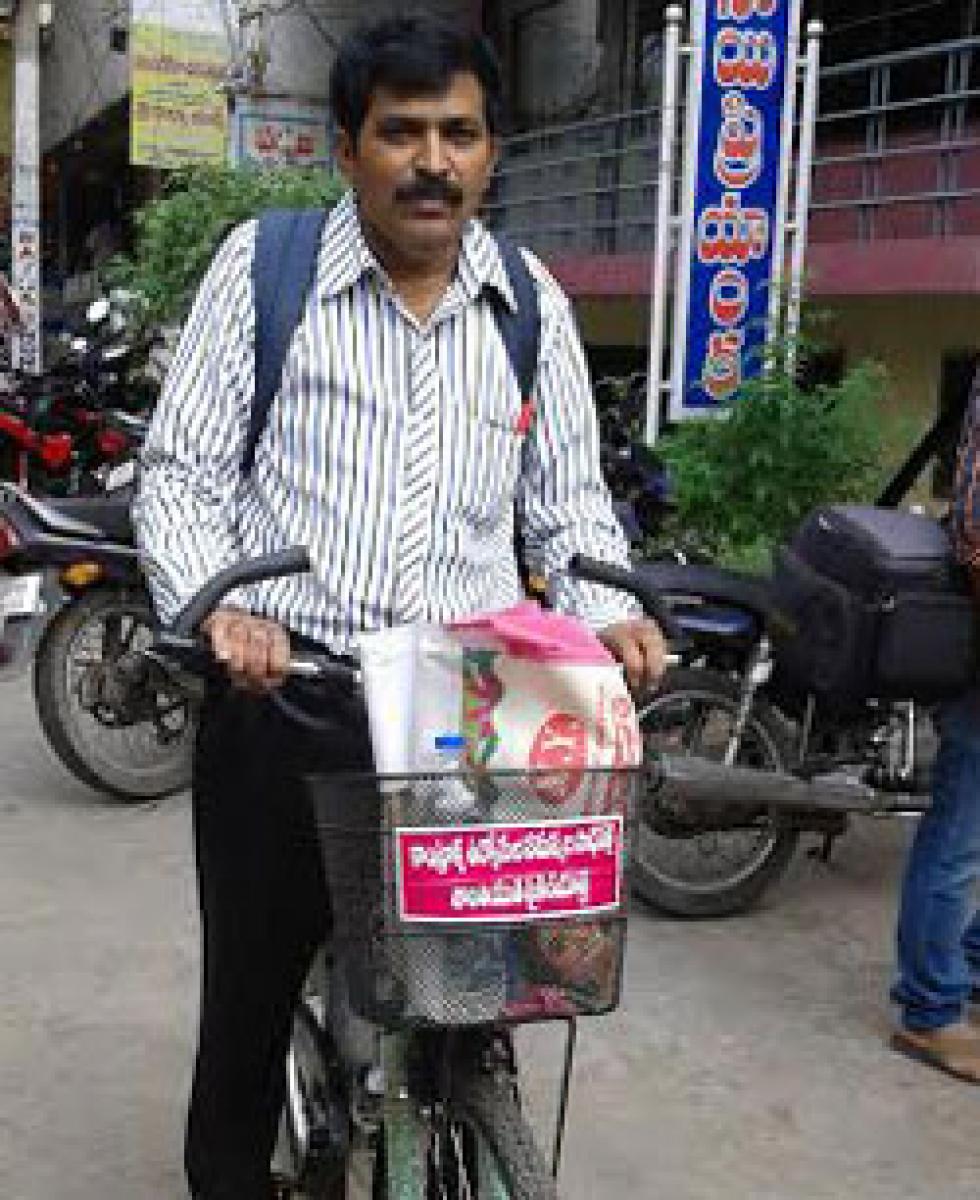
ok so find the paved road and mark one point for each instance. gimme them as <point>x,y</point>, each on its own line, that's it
<point>746,1064</point>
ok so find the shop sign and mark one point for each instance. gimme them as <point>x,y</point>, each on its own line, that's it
<point>179,57</point>
<point>737,120</point>
<point>287,133</point>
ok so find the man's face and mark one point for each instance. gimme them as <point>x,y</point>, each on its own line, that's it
<point>421,165</point>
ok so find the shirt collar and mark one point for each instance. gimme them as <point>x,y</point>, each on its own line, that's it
<point>345,256</point>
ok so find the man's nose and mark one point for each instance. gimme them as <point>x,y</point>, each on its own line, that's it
<point>433,154</point>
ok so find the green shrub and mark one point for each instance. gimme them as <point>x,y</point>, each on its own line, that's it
<point>745,480</point>
<point>177,234</point>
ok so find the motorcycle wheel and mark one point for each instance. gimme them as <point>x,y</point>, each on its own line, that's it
<point>129,755</point>
<point>684,867</point>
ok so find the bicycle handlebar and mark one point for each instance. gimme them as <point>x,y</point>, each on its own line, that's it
<point>194,655</point>
<point>179,647</point>
<point>293,561</point>
<point>625,580</point>
<point>179,644</point>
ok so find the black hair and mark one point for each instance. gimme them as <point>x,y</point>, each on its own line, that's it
<point>411,55</point>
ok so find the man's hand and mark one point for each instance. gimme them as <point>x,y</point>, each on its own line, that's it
<point>255,651</point>
<point>639,646</point>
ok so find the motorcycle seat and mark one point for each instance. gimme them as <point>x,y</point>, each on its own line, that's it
<point>42,513</point>
<point>716,585</point>
<point>106,517</point>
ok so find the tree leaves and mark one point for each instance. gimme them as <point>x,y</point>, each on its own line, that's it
<point>177,234</point>
<point>744,481</point>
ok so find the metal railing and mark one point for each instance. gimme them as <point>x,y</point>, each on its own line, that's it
<point>898,155</point>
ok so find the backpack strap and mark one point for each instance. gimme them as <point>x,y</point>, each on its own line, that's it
<point>286,245</point>
<point>520,331</point>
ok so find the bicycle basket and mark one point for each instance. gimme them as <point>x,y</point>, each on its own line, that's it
<point>475,898</point>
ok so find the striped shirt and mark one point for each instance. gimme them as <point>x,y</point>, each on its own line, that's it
<point>394,450</point>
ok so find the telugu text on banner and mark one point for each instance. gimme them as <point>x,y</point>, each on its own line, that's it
<point>179,54</point>
<point>739,110</point>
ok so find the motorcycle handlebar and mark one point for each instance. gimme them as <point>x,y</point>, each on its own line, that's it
<point>293,561</point>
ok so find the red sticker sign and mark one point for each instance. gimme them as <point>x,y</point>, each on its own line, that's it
<point>517,872</point>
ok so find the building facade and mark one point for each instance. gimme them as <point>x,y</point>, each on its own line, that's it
<point>895,219</point>
<point>894,247</point>
<point>90,188</point>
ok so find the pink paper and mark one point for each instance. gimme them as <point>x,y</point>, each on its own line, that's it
<point>530,632</point>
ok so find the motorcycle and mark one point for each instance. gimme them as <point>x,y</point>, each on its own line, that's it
<point>743,700</point>
<point>73,599</point>
<point>636,475</point>
<point>60,431</point>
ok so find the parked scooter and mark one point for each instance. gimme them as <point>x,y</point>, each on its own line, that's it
<point>73,597</point>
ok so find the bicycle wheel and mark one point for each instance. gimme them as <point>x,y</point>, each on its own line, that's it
<point>311,1157</point>
<point>485,1109</point>
<point>473,1145</point>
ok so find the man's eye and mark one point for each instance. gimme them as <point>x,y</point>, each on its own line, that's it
<point>395,133</point>
<point>463,136</point>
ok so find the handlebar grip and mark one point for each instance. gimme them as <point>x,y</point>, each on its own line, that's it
<point>625,580</point>
<point>293,561</point>
<point>609,575</point>
<point>194,656</point>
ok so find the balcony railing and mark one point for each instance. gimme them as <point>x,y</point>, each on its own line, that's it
<point>898,156</point>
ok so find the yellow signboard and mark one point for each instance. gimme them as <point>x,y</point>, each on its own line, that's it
<point>178,116</point>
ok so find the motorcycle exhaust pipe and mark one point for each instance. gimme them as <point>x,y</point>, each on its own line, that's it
<point>703,787</point>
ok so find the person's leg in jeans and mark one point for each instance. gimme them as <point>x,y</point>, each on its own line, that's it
<point>264,909</point>
<point>934,982</point>
<point>971,945</point>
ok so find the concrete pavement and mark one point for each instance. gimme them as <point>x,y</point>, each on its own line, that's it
<point>748,1061</point>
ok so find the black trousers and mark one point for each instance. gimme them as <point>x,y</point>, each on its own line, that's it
<point>264,911</point>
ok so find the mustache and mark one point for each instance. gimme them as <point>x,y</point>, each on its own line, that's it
<point>430,188</point>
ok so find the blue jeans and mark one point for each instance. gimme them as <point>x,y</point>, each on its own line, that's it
<point>938,928</point>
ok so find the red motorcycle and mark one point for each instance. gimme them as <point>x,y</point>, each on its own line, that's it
<point>57,433</point>
<point>52,445</point>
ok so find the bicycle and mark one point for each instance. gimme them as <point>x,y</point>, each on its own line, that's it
<point>401,1076</point>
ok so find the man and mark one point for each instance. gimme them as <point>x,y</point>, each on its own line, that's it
<point>396,450</point>
<point>938,929</point>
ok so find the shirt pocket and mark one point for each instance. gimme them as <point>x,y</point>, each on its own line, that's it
<point>493,445</point>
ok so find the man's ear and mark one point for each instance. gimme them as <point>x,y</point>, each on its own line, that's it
<point>495,148</point>
<point>344,154</point>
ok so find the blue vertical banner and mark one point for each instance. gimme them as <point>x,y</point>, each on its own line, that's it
<point>738,153</point>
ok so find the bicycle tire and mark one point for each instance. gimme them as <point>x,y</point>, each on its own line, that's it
<point>311,1176</point>
<point>485,1105</point>
<point>487,1102</point>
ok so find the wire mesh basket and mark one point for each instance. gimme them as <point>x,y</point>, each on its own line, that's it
<point>462,899</point>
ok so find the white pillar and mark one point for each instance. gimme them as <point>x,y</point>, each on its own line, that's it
<point>804,173</point>
<point>25,226</point>
<point>664,230</point>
